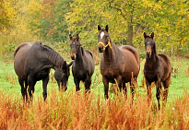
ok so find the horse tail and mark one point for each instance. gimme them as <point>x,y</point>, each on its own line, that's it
<point>20,46</point>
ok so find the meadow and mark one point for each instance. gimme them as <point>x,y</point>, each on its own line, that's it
<point>71,110</point>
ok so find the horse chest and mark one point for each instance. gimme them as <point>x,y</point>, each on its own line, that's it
<point>109,73</point>
<point>79,72</point>
<point>151,75</point>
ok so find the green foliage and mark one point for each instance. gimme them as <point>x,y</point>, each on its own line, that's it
<point>6,14</point>
<point>48,20</point>
<point>129,19</point>
<point>53,20</point>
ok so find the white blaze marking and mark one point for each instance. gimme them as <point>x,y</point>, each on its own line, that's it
<point>101,35</point>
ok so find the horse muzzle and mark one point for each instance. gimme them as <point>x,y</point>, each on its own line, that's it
<point>73,56</point>
<point>101,49</point>
<point>148,54</point>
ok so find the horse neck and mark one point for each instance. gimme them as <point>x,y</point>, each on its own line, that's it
<point>151,61</point>
<point>109,54</point>
<point>56,61</point>
<point>79,57</point>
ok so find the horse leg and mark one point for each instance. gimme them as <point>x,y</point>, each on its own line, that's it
<point>125,90</point>
<point>106,87</point>
<point>149,93</point>
<point>45,82</point>
<point>31,83</point>
<point>158,91</point>
<point>26,89</point>
<point>23,89</point>
<point>166,84</point>
<point>133,84</point>
<point>87,85</point>
<point>77,84</point>
<point>119,83</point>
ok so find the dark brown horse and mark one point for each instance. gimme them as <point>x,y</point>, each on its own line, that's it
<point>156,69</point>
<point>83,65</point>
<point>32,62</point>
<point>118,64</point>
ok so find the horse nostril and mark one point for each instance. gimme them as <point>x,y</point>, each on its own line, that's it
<point>148,54</point>
<point>100,49</point>
<point>73,57</point>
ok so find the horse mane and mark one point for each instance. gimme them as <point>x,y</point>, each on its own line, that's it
<point>55,57</point>
<point>82,51</point>
<point>20,46</point>
<point>89,52</point>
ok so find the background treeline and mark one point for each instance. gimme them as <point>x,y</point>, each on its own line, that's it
<point>51,21</point>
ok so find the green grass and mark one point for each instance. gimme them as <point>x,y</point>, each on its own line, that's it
<point>179,80</point>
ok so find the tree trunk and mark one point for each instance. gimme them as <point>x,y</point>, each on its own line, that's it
<point>130,34</point>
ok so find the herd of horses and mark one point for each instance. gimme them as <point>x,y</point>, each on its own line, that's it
<point>120,65</point>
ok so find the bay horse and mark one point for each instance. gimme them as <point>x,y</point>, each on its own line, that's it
<point>157,69</point>
<point>32,62</point>
<point>83,65</point>
<point>118,64</point>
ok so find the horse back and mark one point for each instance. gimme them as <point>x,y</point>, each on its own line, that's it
<point>21,46</point>
<point>89,52</point>
<point>133,51</point>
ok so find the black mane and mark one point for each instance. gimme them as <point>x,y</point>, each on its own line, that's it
<point>55,57</point>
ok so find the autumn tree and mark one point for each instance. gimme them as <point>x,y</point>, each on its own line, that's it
<point>7,13</point>
<point>48,19</point>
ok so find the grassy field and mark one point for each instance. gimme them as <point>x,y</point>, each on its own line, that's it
<point>69,110</point>
<point>9,83</point>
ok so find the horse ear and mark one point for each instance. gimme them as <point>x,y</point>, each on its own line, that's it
<point>70,36</point>
<point>70,63</point>
<point>152,35</point>
<point>77,37</point>
<point>106,28</point>
<point>99,28</point>
<point>64,65</point>
<point>145,35</point>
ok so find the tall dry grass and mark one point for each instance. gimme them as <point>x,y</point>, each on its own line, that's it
<point>75,111</point>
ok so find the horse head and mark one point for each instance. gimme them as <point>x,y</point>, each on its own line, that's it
<point>61,75</point>
<point>150,46</point>
<point>75,45</point>
<point>103,39</point>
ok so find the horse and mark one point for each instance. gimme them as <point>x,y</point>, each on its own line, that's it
<point>118,64</point>
<point>157,69</point>
<point>83,65</point>
<point>32,62</point>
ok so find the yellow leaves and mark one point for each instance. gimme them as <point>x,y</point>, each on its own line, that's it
<point>34,6</point>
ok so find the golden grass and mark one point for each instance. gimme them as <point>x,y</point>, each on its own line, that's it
<point>75,111</point>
